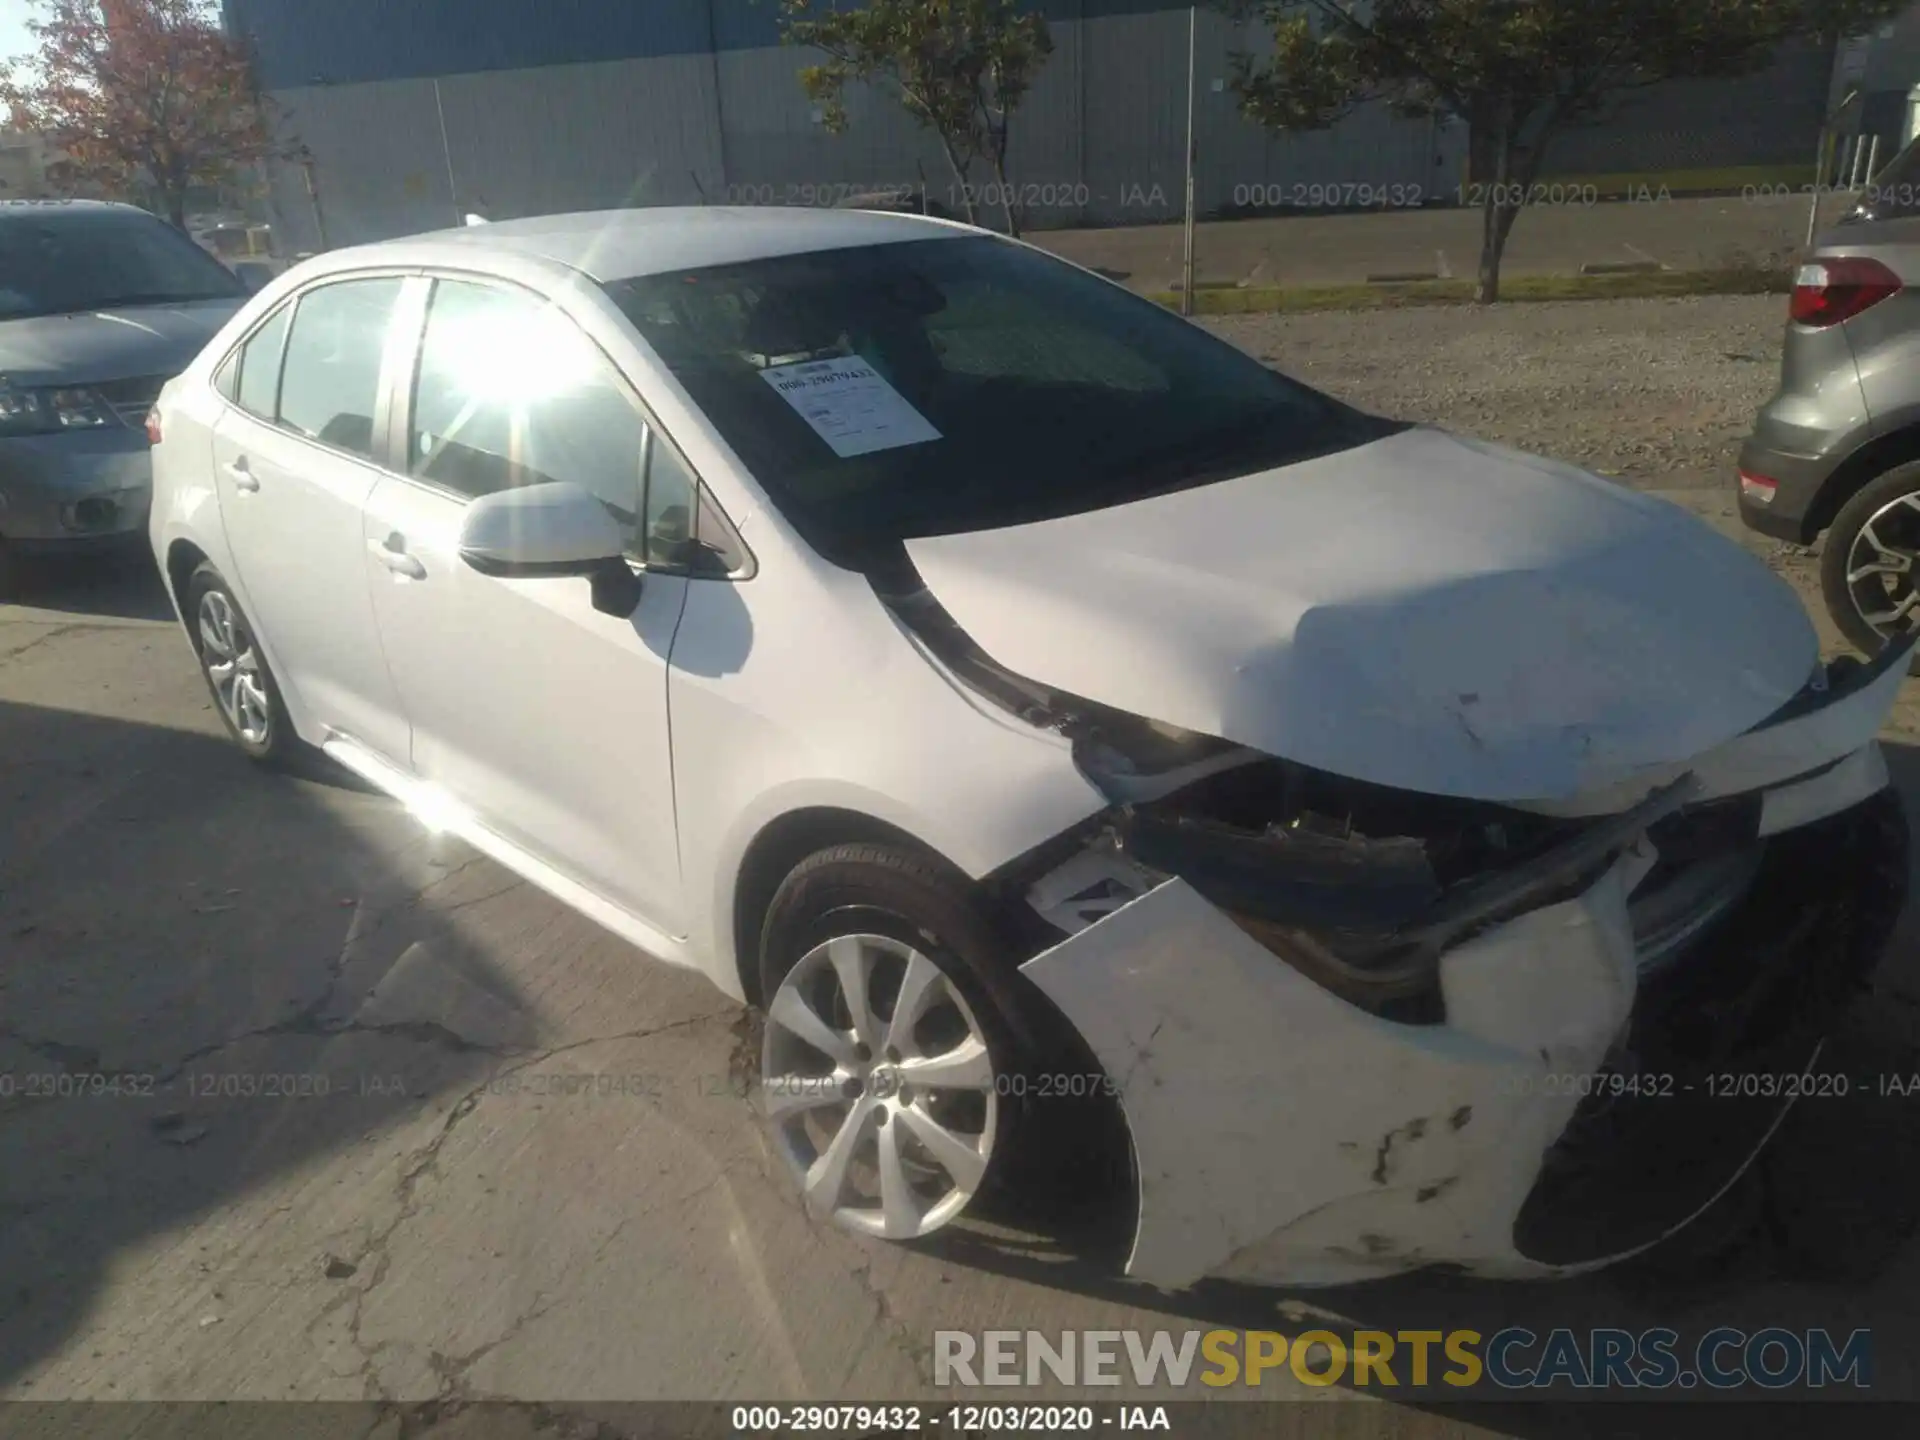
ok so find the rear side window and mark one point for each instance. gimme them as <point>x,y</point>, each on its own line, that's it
<point>257,388</point>
<point>330,381</point>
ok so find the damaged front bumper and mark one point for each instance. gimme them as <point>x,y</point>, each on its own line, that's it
<point>1576,1097</point>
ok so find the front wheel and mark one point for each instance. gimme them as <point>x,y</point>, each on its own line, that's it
<point>244,690</point>
<point>883,1049</point>
<point>1870,571</point>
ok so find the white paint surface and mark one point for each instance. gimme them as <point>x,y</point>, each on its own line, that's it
<point>1425,612</point>
<point>557,523</point>
<point>1757,759</point>
<point>1256,1099</point>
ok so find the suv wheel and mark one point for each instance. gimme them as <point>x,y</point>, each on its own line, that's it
<point>244,690</point>
<point>883,1051</point>
<point>1870,571</point>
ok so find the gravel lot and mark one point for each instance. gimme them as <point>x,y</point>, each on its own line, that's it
<point>1659,392</point>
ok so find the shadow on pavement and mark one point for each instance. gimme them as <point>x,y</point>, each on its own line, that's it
<point>211,978</point>
<point>1823,1249</point>
<point>122,584</point>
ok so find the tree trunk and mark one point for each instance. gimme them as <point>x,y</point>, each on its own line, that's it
<point>1496,214</point>
<point>959,174</point>
<point>175,202</point>
<point>1006,189</point>
<point>1511,186</point>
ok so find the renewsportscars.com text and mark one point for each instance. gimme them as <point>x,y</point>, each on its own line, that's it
<point>1515,1358</point>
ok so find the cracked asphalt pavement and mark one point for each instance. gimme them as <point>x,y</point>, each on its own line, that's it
<point>301,1101</point>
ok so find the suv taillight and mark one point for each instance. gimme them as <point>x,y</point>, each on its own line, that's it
<point>153,426</point>
<point>1825,292</point>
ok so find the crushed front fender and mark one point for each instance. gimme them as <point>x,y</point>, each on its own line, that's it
<point>1262,1108</point>
<point>1560,1117</point>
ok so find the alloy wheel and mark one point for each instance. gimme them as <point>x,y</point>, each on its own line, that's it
<point>1881,565</point>
<point>233,666</point>
<point>878,1087</point>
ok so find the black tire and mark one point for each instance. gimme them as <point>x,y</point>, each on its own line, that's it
<point>276,745</point>
<point>902,893</point>
<point>9,571</point>
<point>1842,603</point>
<point>1061,1154</point>
<point>894,891</point>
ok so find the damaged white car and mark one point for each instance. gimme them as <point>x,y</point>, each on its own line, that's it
<point>952,652</point>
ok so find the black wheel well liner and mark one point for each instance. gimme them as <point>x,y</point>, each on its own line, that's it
<point>1852,475</point>
<point>782,844</point>
<point>183,558</point>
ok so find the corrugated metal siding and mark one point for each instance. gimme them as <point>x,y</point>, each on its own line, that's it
<point>305,42</point>
<point>1100,140</point>
<point>1136,115</point>
<point>1771,117</point>
<point>630,132</point>
<point>778,154</point>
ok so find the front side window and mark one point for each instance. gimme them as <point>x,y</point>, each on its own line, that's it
<point>668,525</point>
<point>929,387</point>
<point>330,379</point>
<point>510,392</point>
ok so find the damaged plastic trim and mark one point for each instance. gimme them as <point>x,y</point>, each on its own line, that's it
<point>1816,730</point>
<point>1443,921</point>
<point>1257,1100</point>
<point>1131,761</point>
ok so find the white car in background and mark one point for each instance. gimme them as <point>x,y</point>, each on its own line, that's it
<point>976,666</point>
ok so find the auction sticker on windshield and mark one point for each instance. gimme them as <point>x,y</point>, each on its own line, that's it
<point>850,405</point>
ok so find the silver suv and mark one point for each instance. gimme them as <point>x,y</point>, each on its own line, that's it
<point>1837,448</point>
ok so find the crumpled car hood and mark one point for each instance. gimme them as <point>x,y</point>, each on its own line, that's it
<point>1425,612</point>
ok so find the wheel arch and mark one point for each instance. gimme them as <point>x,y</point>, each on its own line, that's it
<point>183,558</point>
<point>782,843</point>
<point>1879,455</point>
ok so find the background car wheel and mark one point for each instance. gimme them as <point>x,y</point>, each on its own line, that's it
<point>883,1052</point>
<point>244,690</point>
<point>1870,571</point>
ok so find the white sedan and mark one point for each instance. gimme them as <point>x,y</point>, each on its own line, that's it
<point>977,667</point>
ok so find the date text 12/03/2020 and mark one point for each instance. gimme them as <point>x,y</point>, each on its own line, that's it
<point>1718,1085</point>
<point>957,1419</point>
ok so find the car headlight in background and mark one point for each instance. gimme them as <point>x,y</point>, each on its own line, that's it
<point>51,410</point>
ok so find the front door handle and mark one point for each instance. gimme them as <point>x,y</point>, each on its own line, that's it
<point>392,553</point>
<point>243,479</point>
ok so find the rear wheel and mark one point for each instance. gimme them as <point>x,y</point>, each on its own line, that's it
<point>1870,571</point>
<point>883,1051</point>
<point>244,690</point>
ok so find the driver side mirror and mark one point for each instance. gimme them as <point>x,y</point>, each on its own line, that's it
<point>553,529</point>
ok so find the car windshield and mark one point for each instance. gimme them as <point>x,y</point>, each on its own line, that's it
<point>929,387</point>
<point>55,261</point>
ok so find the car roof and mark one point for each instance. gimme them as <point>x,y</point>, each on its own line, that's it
<point>608,245</point>
<point>18,208</point>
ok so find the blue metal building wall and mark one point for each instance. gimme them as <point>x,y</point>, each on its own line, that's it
<point>344,42</point>
<point>416,111</point>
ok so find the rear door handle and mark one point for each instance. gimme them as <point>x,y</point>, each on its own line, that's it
<point>243,479</point>
<point>392,553</point>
